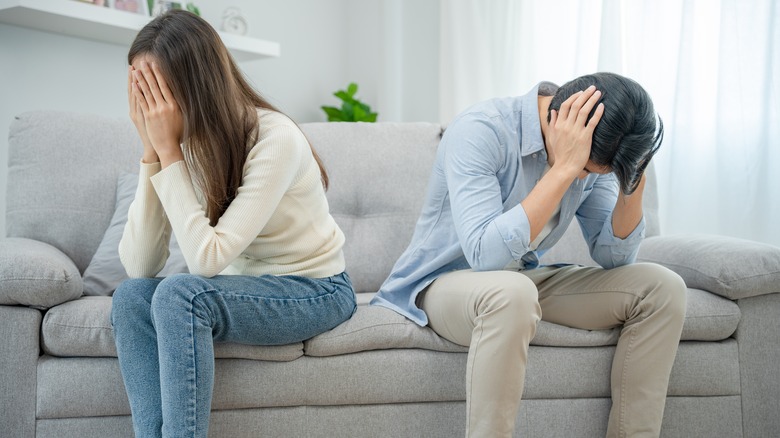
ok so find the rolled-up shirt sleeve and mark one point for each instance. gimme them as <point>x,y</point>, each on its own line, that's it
<point>490,237</point>
<point>595,218</point>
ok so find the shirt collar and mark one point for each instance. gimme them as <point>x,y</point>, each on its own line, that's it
<point>530,128</point>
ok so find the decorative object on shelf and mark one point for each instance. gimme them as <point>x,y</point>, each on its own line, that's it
<point>352,110</point>
<point>134,6</point>
<point>97,23</point>
<point>103,3</point>
<point>163,6</point>
<point>233,21</point>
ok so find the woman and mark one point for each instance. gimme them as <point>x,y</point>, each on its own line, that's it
<point>239,185</point>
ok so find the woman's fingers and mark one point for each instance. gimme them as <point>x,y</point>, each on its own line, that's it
<point>152,81</point>
<point>129,81</point>
<point>143,84</point>
<point>140,98</point>
<point>130,97</point>
<point>165,92</point>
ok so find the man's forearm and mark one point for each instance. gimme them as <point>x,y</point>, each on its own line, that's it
<point>545,197</point>
<point>628,211</point>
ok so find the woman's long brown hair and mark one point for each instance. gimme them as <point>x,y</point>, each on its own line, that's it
<point>218,106</point>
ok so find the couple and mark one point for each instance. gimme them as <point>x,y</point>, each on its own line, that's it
<point>243,191</point>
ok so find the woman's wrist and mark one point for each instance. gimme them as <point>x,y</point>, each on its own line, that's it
<point>169,156</point>
<point>150,156</point>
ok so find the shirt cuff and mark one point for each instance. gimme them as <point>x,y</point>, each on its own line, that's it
<point>148,170</point>
<point>515,230</point>
<point>608,238</point>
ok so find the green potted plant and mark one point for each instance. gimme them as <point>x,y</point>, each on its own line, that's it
<point>352,109</point>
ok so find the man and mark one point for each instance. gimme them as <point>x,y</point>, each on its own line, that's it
<point>509,176</point>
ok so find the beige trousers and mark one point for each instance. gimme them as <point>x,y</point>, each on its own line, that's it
<point>495,314</point>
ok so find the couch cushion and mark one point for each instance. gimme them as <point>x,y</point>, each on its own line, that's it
<point>36,274</point>
<point>708,318</point>
<point>371,377</point>
<point>105,272</point>
<point>730,267</point>
<point>83,328</point>
<point>376,328</point>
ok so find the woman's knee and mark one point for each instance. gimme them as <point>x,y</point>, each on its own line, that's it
<point>176,293</point>
<point>132,298</point>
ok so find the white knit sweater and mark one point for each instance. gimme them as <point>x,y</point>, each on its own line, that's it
<point>278,223</point>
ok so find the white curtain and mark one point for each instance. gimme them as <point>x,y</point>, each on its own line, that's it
<point>711,67</point>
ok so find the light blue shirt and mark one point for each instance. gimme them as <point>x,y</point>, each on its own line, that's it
<point>489,159</point>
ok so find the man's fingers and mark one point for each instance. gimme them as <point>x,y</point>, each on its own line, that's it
<point>566,105</point>
<point>587,107</point>
<point>591,124</point>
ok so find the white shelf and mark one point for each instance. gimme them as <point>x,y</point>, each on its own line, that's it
<point>97,23</point>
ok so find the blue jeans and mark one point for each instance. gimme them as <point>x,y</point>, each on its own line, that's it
<point>165,331</point>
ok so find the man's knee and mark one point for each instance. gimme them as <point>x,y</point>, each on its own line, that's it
<point>668,289</point>
<point>513,297</point>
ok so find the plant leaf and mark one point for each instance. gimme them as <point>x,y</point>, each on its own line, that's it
<point>344,96</point>
<point>334,114</point>
<point>347,111</point>
<point>371,117</point>
<point>360,113</point>
<point>352,89</point>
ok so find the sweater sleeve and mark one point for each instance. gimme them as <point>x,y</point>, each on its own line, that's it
<point>270,170</point>
<point>143,249</point>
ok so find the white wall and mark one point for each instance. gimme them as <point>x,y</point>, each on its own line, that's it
<point>389,47</point>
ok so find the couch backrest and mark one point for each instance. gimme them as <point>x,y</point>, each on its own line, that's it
<point>377,191</point>
<point>63,169</point>
<point>62,173</point>
<point>378,178</point>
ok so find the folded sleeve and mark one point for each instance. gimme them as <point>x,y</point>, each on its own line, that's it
<point>595,218</point>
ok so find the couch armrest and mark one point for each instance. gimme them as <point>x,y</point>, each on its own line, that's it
<point>36,274</point>
<point>729,267</point>
<point>759,356</point>
<point>20,329</point>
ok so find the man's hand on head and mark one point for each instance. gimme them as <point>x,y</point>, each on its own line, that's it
<point>571,133</point>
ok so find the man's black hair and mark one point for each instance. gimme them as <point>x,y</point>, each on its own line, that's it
<point>627,135</point>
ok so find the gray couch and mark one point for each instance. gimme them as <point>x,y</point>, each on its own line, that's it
<point>377,375</point>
